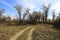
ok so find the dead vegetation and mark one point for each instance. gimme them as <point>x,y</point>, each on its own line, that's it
<point>6,32</point>
<point>46,32</point>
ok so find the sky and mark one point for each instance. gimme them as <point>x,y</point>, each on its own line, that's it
<point>33,5</point>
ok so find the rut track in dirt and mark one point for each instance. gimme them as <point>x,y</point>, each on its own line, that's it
<point>19,33</point>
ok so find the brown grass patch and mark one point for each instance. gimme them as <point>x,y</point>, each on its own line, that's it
<point>46,32</point>
<point>6,32</point>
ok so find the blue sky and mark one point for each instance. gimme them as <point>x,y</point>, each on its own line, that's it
<point>8,5</point>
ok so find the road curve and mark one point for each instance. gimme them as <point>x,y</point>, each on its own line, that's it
<point>18,34</point>
<point>30,34</point>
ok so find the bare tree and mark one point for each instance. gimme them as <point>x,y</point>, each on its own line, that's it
<point>1,12</point>
<point>8,18</point>
<point>18,8</point>
<point>53,15</point>
<point>27,13</point>
<point>58,17</point>
<point>57,22</point>
<point>42,18</point>
<point>46,9</point>
<point>36,16</point>
<point>24,16</point>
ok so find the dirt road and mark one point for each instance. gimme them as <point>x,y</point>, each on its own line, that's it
<point>25,34</point>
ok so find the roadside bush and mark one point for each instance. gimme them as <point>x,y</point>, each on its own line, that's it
<point>57,24</point>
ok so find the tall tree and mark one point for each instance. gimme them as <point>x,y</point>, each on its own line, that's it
<point>1,12</point>
<point>27,13</point>
<point>36,16</point>
<point>42,18</point>
<point>46,9</point>
<point>18,8</point>
<point>58,17</point>
<point>53,15</point>
<point>8,18</point>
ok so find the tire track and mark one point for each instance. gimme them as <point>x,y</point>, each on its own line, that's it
<point>30,36</point>
<point>19,34</point>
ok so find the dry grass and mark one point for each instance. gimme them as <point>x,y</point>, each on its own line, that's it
<point>42,32</point>
<point>6,32</point>
<point>46,32</point>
